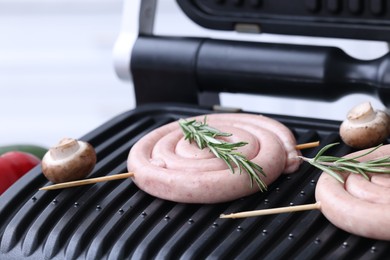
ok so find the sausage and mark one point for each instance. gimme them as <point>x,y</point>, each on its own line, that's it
<point>169,167</point>
<point>359,206</point>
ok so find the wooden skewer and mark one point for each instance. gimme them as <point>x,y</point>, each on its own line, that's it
<point>130,174</point>
<point>307,145</point>
<point>88,181</point>
<point>262,212</point>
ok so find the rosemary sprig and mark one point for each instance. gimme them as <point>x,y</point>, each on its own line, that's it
<point>206,136</point>
<point>334,165</point>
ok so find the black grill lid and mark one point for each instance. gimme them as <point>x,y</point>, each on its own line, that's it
<point>352,19</point>
<point>116,220</point>
<point>195,70</point>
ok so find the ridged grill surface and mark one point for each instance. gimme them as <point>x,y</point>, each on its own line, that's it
<point>116,220</point>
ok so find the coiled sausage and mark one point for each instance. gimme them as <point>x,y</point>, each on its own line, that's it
<point>169,167</point>
<point>359,206</point>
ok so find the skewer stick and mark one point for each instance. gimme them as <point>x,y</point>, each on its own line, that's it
<point>88,181</point>
<point>307,145</point>
<point>262,212</point>
<point>130,174</point>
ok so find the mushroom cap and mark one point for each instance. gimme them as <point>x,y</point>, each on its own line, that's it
<point>68,161</point>
<point>365,127</point>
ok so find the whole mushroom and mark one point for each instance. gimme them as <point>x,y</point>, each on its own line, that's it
<point>365,127</point>
<point>69,160</point>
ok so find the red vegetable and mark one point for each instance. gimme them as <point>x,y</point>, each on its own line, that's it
<point>7,176</point>
<point>14,165</point>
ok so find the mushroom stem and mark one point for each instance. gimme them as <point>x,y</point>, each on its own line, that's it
<point>362,113</point>
<point>65,148</point>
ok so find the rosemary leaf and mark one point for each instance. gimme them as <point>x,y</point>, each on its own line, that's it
<point>214,150</point>
<point>232,157</point>
<point>323,150</point>
<point>363,173</point>
<point>212,140</point>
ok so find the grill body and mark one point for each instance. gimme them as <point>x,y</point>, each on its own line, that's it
<point>116,220</point>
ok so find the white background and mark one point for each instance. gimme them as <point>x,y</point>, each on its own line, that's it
<point>57,76</point>
<point>56,71</point>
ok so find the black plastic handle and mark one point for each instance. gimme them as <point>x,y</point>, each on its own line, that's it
<point>314,72</point>
<point>207,65</point>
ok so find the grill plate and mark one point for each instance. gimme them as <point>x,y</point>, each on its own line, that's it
<point>116,220</point>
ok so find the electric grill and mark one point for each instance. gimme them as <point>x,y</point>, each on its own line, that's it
<point>176,77</point>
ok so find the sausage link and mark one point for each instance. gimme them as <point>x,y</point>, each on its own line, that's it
<point>169,167</point>
<point>357,207</point>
